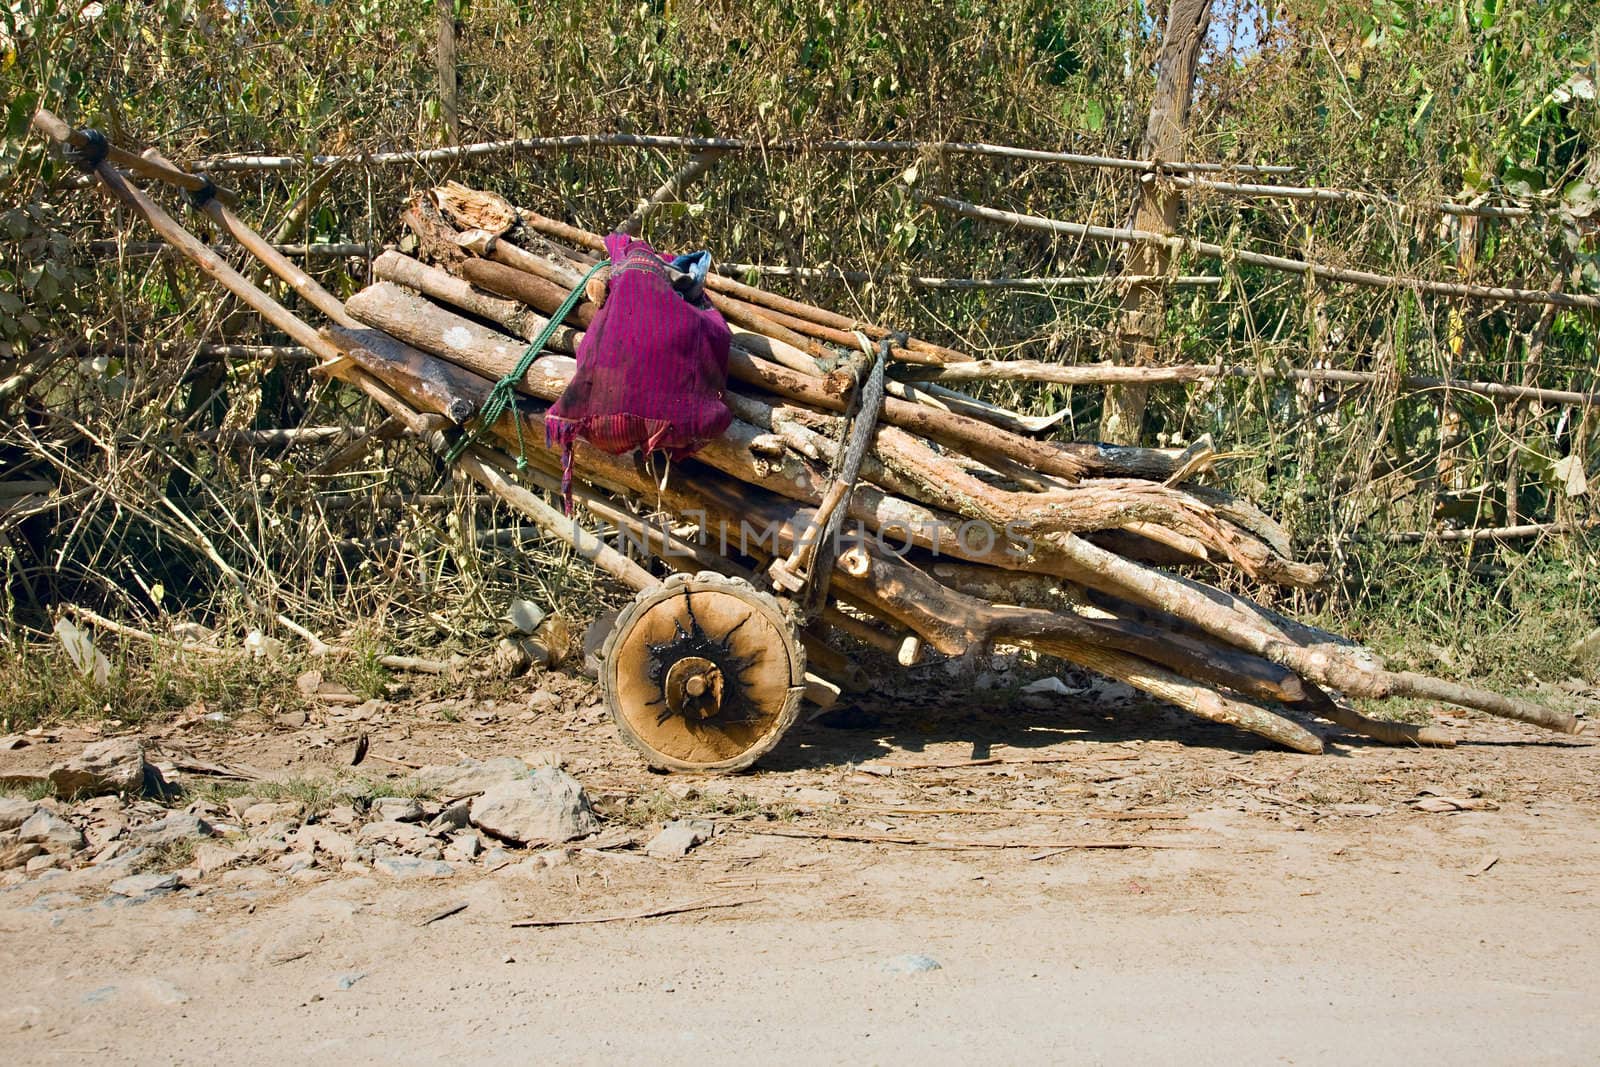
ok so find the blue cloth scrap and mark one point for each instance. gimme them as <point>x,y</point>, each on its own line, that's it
<point>695,266</point>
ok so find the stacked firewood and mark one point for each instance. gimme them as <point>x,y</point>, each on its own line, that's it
<point>973,530</point>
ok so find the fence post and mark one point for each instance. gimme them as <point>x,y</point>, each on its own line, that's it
<point>1155,210</point>
<point>448,113</point>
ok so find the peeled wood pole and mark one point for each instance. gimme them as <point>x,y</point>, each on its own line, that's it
<point>302,283</point>
<point>200,254</point>
<point>51,126</point>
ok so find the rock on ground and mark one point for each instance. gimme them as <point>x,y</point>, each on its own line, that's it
<point>678,837</point>
<point>267,812</point>
<point>142,885</point>
<point>174,828</point>
<point>114,766</point>
<point>469,776</point>
<point>397,809</point>
<point>52,831</point>
<point>13,812</point>
<point>411,867</point>
<point>543,807</point>
<point>19,855</point>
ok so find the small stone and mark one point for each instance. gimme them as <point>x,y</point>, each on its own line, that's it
<point>13,813</point>
<point>246,876</point>
<point>400,834</point>
<point>290,719</point>
<point>165,993</point>
<point>817,798</point>
<point>532,867</point>
<point>174,828</point>
<point>912,963</point>
<point>678,837</point>
<point>51,831</point>
<point>42,863</point>
<point>544,807</point>
<point>463,846</point>
<point>19,855</point>
<point>114,766</point>
<point>397,809</point>
<point>210,858</point>
<point>347,980</point>
<point>327,840</point>
<point>456,816</point>
<point>144,885</point>
<point>340,815</point>
<point>496,858</point>
<point>411,867</point>
<point>102,834</point>
<point>267,812</point>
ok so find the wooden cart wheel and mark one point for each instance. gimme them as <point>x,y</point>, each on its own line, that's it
<point>703,673</point>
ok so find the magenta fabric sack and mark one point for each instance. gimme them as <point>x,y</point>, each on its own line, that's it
<point>652,367</point>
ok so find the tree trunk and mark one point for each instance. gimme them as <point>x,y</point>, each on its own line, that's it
<point>1155,210</point>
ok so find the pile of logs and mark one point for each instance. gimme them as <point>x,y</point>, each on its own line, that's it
<point>976,531</point>
<point>1013,539</point>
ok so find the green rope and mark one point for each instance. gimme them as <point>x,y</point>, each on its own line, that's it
<point>503,395</point>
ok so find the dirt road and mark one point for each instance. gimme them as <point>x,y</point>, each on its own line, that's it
<point>1305,909</point>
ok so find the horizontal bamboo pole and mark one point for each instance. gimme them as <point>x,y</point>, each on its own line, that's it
<point>1259,259</point>
<point>335,250</point>
<point>1107,374</point>
<point>727,144</point>
<point>1496,533</point>
<point>862,277</point>
<point>294,435</point>
<point>1346,196</point>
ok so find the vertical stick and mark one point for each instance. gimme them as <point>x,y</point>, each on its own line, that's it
<point>448,113</point>
<point>1155,210</point>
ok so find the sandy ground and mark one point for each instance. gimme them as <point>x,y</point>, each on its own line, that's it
<point>1305,909</point>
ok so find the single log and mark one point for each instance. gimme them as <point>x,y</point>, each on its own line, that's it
<point>266,253</point>
<point>528,288</point>
<point>1328,706</point>
<point>1110,374</point>
<point>1197,699</point>
<point>442,285</point>
<point>491,470</point>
